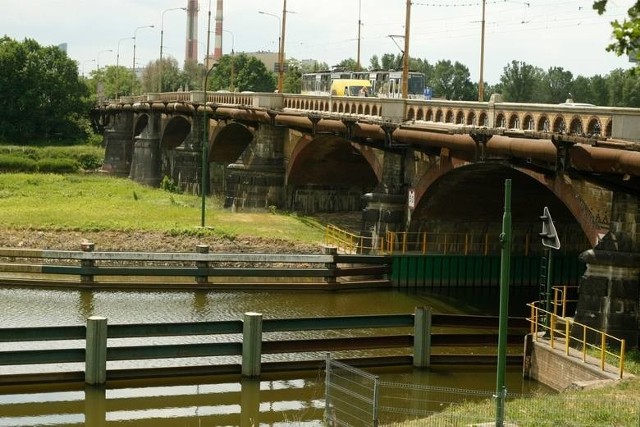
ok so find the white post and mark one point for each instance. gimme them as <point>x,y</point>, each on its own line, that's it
<point>422,338</point>
<point>251,344</point>
<point>96,351</point>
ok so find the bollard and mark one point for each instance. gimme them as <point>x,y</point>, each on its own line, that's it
<point>202,266</point>
<point>87,263</point>
<point>422,338</point>
<point>331,266</point>
<point>95,372</point>
<point>251,344</point>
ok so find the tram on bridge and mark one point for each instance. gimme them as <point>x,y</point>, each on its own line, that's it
<point>383,84</point>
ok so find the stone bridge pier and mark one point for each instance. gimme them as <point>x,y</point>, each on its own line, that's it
<point>118,141</point>
<point>609,290</point>
<point>257,178</point>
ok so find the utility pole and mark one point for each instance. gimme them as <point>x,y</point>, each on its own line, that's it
<point>359,67</point>
<point>481,81</point>
<point>405,57</point>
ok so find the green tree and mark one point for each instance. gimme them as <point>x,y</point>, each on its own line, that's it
<point>389,61</point>
<point>374,63</point>
<point>556,85</point>
<point>292,80</point>
<point>451,81</point>
<point>172,78</point>
<point>625,33</point>
<point>192,77</point>
<point>42,94</point>
<point>348,64</point>
<point>250,74</point>
<point>520,82</point>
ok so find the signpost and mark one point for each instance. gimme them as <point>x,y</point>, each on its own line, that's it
<point>549,241</point>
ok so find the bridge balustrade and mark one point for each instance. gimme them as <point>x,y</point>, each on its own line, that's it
<point>579,120</point>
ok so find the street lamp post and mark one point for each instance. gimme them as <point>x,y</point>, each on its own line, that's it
<point>98,57</point>
<point>88,60</point>
<point>205,131</point>
<point>282,24</point>
<point>162,41</point>
<point>232,59</point>
<point>135,36</point>
<point>118,65</point>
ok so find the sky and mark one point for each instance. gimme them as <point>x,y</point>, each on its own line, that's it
<point>543,33</point>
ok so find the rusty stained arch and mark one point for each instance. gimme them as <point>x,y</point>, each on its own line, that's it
<point>175,132</point>
<point>319,159</point>
<point>562,196</point>
<point>227,141</point>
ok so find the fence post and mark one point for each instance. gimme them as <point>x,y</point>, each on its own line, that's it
<point>84,263</point>
<point>376,401</point>
<point>202,265</point>
<point>422,338</point>
<point>331,266</point>
<point>95,372</point>
<point>328,416</point>
<point>251,344</point>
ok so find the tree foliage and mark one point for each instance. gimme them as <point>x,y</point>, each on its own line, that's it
<point>520,82</point>
<point>626,34</point>
<point>242,73</point>
<point>42,94</point>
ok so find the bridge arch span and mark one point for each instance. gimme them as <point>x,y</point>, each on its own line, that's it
<point>140,122</point>
<point>175,132</point>
<point>228,141</point>
<point>469,198</point>
<point>329,174</point>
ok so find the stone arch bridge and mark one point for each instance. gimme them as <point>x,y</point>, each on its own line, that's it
<point>407,165</point>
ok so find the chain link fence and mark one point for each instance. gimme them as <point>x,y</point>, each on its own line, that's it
<point>357,398</point>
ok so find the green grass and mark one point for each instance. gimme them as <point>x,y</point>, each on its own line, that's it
<point>95,203</point>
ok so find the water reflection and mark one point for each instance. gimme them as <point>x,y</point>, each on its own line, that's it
<point>295,399</point>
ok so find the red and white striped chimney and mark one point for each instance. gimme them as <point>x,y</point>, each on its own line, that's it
<point>191,52</point>
<point>217,51</point>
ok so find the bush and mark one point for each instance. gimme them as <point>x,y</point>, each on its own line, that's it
<point>58,166</point>
<point>13,163</point>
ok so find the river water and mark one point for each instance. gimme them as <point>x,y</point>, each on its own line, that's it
<point>271,401</point>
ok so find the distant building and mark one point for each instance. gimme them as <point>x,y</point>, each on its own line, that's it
<point>269,59</point>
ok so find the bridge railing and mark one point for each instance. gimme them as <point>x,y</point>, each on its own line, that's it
<point>351,243</point>
<point>576,338</point>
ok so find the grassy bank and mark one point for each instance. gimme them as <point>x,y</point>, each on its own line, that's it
<point>96,203</point>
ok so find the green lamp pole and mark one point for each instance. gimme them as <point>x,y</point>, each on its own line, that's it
<point>205,137</point>
<point>505,279</point>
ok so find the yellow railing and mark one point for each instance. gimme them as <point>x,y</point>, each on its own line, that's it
<point>350,243</point>
<point>561,298</point>
<point>555,328</point>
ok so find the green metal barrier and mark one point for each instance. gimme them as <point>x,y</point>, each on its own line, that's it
<point>434,271</point>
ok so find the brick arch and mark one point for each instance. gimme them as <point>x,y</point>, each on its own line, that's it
<point>439,116</point>
<point>411,114</point>
<point>514,121</point>
<point>449,117</point>
<point>483,119</point>
<point>575,126</point>
<point>544,125</point>
<point>460,118</point>
<point>564,193</point>
<point>501,121</point>
<point>528,123</point>
<point>609,129</point>
<point>420,114</point>
<point>471,118</point>
<point>591,126</point>
<point>559,125</point>
<point>429,116</point>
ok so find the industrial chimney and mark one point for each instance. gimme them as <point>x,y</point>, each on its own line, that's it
<point>191,52</point>
<point>217,51</point>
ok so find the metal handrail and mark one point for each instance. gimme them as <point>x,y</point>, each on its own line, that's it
<point>545,324</point>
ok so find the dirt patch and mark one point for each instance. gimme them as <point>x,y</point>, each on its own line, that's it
<point>148,242</point>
